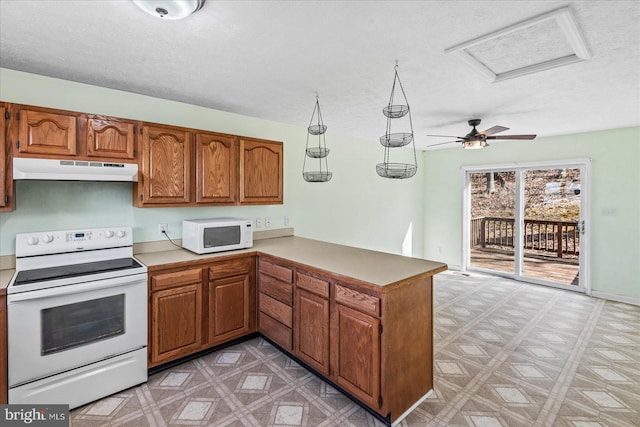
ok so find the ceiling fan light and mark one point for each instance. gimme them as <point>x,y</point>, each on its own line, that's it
<point>170,9</point>
<point>474,144</point>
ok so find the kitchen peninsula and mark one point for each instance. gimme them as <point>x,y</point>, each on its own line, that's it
<point>360,319</point>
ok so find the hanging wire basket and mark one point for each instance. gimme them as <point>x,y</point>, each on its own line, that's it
<point>399,139</point>
<point>317,176</point>
<point>396,170</point>
<point>395,111</point>
<point>317,129</point>
<point>317,152</point>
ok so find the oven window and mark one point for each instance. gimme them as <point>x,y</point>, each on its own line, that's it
<point>221,236</point>
<point>74,325</point>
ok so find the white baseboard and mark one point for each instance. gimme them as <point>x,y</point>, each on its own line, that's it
<point>408,411</point>
<point>614,297</point>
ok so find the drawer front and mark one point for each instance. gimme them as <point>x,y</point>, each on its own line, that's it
<point>274,308</point>
<point>275,288</point>
<point>279,272</point>
<point>232,267</point>
<point>277,332</point>
<point>168,280</point>
<point>358,300</point>
<point>313,284</point>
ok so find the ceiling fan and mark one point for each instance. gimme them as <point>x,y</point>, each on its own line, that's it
<point>475,140</point>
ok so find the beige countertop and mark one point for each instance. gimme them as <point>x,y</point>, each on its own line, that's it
<point>5,278</point>
<point>377,268</point>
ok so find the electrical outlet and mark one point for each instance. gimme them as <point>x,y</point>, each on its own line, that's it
<point>163,228</point>
<point>258,222</point>
<point>287,221</point>
<point>267,222</point>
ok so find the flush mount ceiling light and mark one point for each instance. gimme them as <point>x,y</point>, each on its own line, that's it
<point>170,9</point>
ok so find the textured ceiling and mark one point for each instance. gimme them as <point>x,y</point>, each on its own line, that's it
<point>268,58</point>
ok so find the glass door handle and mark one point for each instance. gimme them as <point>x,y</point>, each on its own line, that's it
<point>581,227</point>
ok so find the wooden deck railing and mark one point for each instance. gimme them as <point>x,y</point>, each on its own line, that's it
<point>559,237</point>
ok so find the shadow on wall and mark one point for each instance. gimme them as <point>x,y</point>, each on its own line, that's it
<point>407,243</point>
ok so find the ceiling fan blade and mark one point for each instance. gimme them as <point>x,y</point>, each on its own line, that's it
<point>494,130</point>
<point>447,136</point>
<point>443,143</point>
<point>512,137</point>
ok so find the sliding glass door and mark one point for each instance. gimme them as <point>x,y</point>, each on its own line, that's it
<point>528,222</point>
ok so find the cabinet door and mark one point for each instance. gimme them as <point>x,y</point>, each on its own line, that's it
<point>47,133</point>
<point>166,165</point>
<point>176,323</point>
<point>3,158</point>
<point>260,172</point>
<point>216,169</point>
<point>311,330</point>
<point>228,308</point>
<point>110,138</point>
<point>358,354</point>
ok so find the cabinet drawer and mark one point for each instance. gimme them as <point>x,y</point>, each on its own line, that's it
<point>168,280</point>
<point>313,284</point>
<point>363,302</point>
<point>277,289</point>
<point>232,267</point>
<point>279,272</point>
<point>276,331</point>
<point>274,308</point>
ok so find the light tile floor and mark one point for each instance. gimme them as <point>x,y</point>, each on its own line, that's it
<point>506,354</point>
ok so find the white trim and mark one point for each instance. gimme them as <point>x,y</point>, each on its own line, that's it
<point>585,239</point>
<point>518,243</point>
<point>466,214</point>
<point>615,297</point>
<point>565,20</point>
<point>414,406</point>
<point>526,165</point>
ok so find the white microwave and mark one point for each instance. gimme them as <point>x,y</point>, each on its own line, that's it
<point>204,236</point>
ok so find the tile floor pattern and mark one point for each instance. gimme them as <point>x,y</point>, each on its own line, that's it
<point>506,354</point>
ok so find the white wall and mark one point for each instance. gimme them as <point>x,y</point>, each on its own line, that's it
<point>357,207</point>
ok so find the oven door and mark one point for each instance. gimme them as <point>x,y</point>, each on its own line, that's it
<point>57,329</point>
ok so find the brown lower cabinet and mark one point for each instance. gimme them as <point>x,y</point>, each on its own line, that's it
<point>373,342</point>
<point>195,307</point>
<point>3,346</point>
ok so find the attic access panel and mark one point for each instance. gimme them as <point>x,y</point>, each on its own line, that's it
<point>546,41</point>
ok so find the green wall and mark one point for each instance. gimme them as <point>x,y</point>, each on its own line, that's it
<point>615,184</point>
<point>356,207</point>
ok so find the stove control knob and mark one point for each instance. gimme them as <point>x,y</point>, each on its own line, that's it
<point>120,233</point>
<point>32,241</point>
<point>108,234</point>
<point>48,238</point>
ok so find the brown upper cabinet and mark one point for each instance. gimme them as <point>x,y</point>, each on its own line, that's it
<point>229,170</point>
<point>216,170</point>
<point>165,167</point>
<point>5,179</point>
<point>177,166</point>
<point>110,138</point>
<point>49,133</point>
<point>46,133</point>
<point>261,172</point>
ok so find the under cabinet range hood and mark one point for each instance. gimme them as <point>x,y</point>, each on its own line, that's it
<point>73,170</point>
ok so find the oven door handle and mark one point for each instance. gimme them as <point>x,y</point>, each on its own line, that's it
<point>57,291</point>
